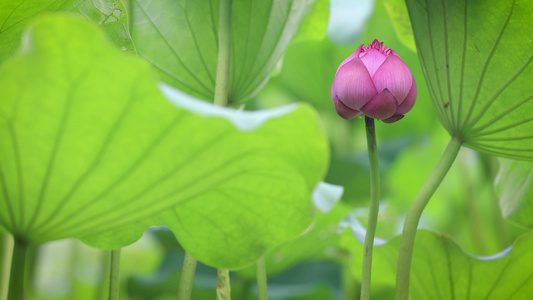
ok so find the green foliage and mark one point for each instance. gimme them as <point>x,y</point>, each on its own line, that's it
<point>400,19</point>
<point>441,269</point>
<point>89,148</point>
<point>314,24</point>
<point>321,242</point>
<point>16,15</point>
<point>477,63</point>
<point>115,156</point>
<point>464,206</point>
<point>513,184</point>
<point>179,37</point>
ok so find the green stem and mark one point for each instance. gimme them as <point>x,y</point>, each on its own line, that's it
<point>6,254</point>
<point>374,207</point>
<point>32,261</point>
<point>221,99</point>
<point>414,214</point>
<point>187,277</point>
<point>105,262</point>
<point>224,50</point>
<point>261,279</point>
<point>114,276</point>
<point>223,286</point>
<point>18,265</point>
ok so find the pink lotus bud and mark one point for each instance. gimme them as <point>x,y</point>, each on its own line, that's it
<point>373,81</point>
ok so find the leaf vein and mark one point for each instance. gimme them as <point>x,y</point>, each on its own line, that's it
<point>157,66</point>
<point>5,191</point>
<point>441,98</point>
<point>463,60</point>
<point>157,140</point>
<point>447,57</point>
<point>180,60</point>
<point>96,161</point>
<point>466,123</point>
<point>500,276</point>
<point>254,78</point>
<point>53,155</point>
<point>141,193</point>
<point>198,50</point>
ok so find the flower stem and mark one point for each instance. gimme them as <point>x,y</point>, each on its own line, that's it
<point>6,253</point>
<point>187,277</point>
<point>261,279</point>
<point>221,99</point>
<point>223,286</point>
<point>105,261</point>
<point>114,276</point>
<point>415,212</point>
<point>32,260</point>
<point>374,207</point>
<point>18,265</point>
<point>224,50</point>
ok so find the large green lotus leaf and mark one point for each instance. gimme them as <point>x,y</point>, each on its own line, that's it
<point>320,242</point>
<point>313,26</point>
<point>229,221</point>
<point>16,14</point>
<point>400,19</point>
<point>477,60</point>
<point>514,188</point>
<point>89,145</point>
<point>442,270</point>
<point>179,37</point>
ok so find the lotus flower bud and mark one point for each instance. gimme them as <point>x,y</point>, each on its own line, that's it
<point>375,82</point>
